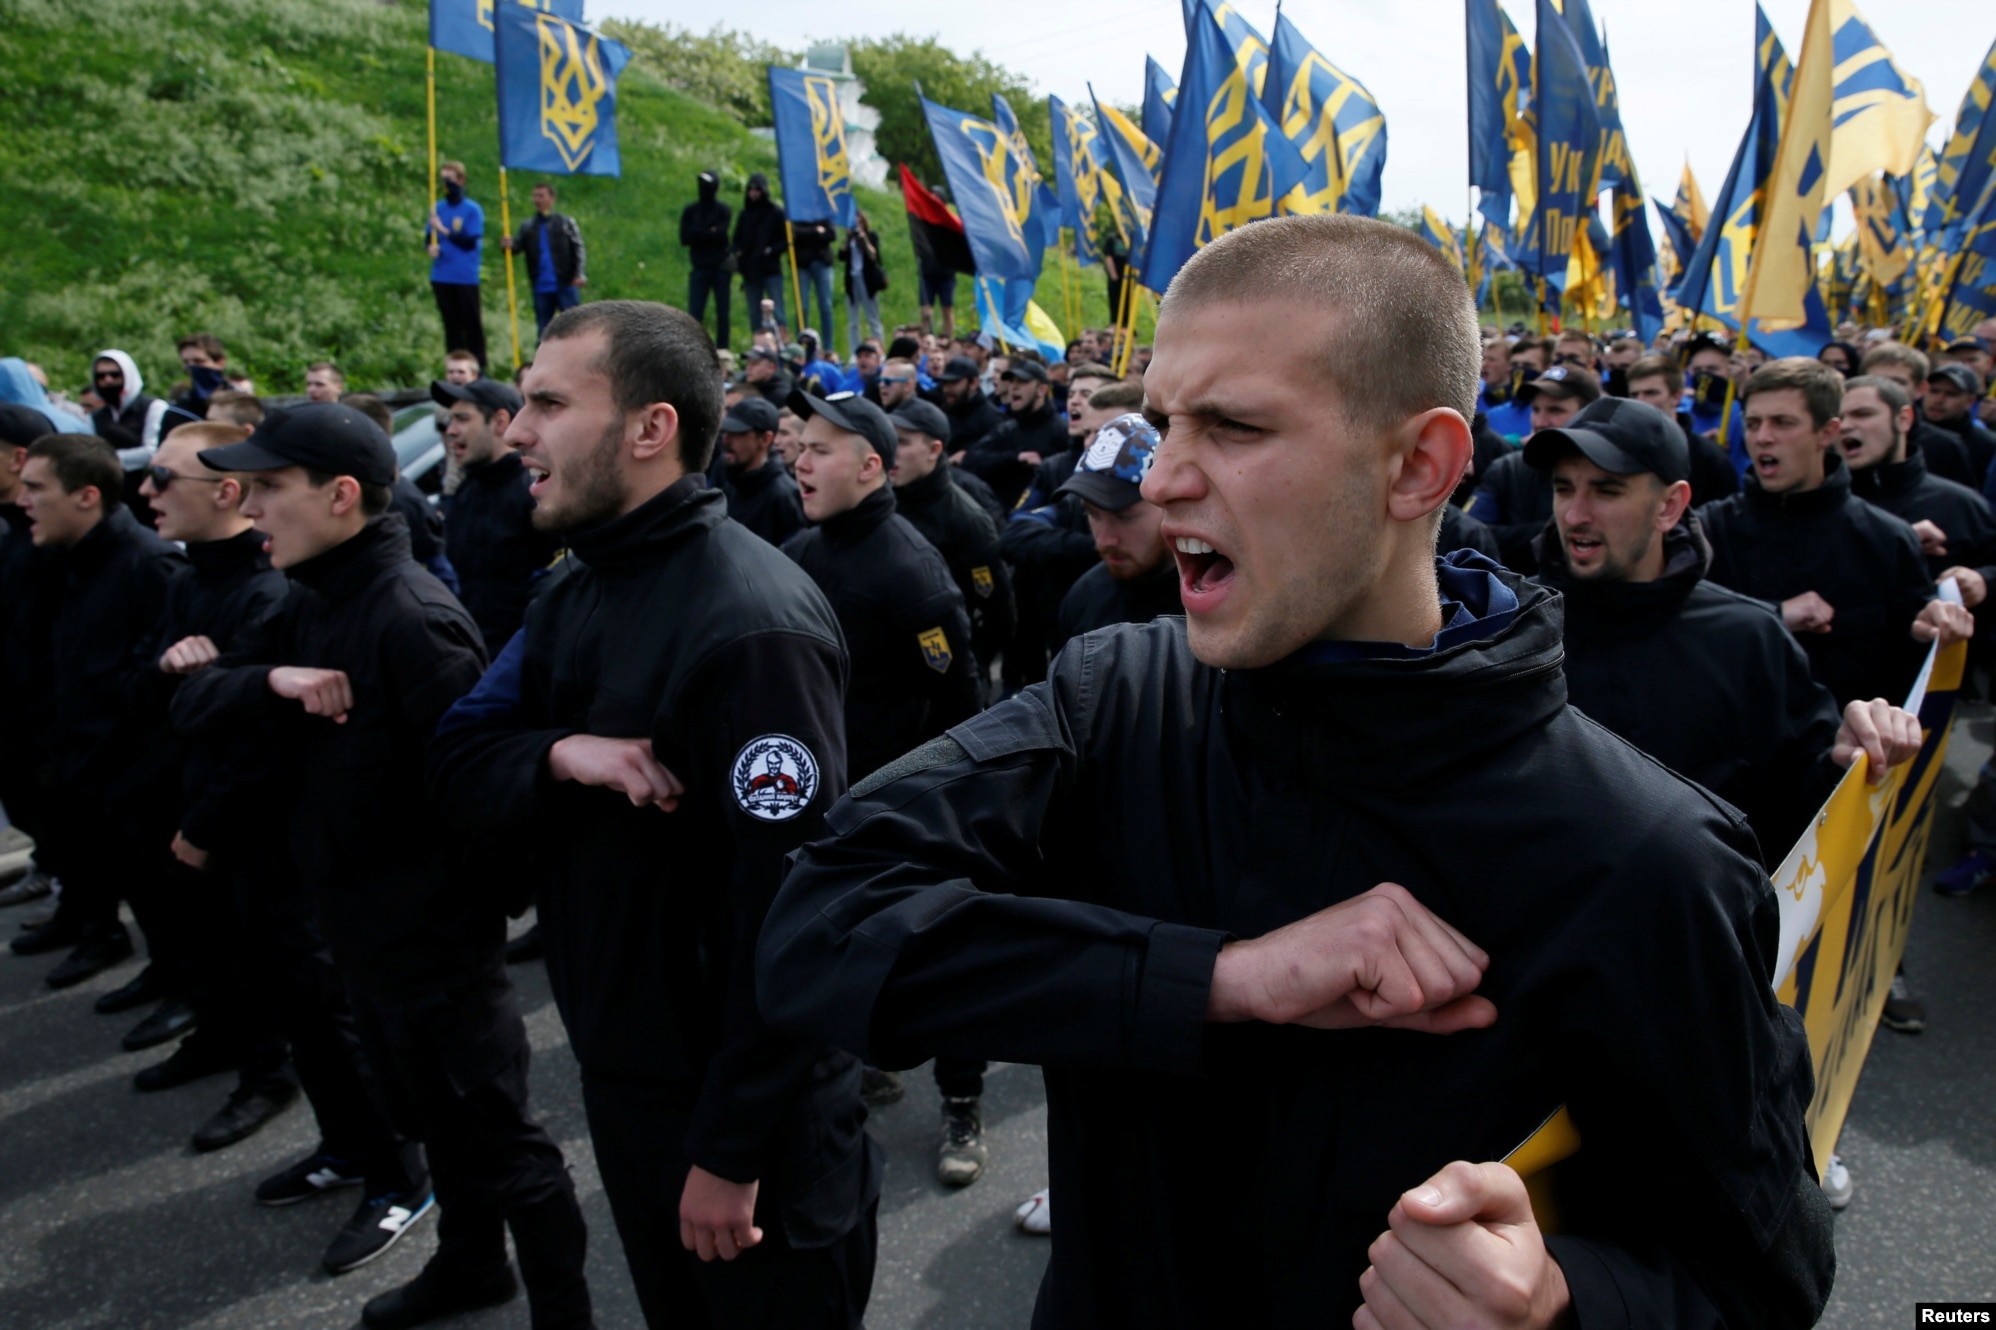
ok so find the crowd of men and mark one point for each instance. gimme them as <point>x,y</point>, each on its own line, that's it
<point>1158,730</point>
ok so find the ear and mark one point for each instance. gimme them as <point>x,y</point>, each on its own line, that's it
<point>229,495</point>
<point>344,495</point>
<point>1906,420</point>
<point>1431,453</point>
<point>501,419</point>
<point>89,497</point>
<point>1676,500</point>
<point>657,433</point>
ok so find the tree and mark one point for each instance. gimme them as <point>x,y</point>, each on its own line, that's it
<point>723,68</point>
<point>890,68</point>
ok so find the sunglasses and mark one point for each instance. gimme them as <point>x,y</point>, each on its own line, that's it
<point>161,478</point>
<point>897,378</point>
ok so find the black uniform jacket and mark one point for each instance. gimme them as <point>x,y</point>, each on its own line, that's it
<point>996,456</point>
<point>490,536</point>
<point>1945,453</point>
<point>1515,501</point>
<point>1712,474</point>
<point>970,420</point>
<point>765,500</point>
<point>914,672</point>
<point>1911,493</point>
<point>1705,680</point>
<point>952,520</point>
<point>110,594</point>
<point>401,914</point>
<point>1460,531</point>
<point>229,587</point>
<point>675,624</point>
<point>1050,883</point>
<point>1865,562</point>
<point>29,578</point>
<point>1098,600</point>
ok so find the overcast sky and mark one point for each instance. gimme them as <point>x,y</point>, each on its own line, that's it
<point>1684,67</point>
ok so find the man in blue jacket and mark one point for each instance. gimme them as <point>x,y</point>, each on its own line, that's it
<point>454,234</point>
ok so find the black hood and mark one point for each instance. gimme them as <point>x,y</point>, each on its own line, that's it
<point>709,187</point>
<point>756,181</point>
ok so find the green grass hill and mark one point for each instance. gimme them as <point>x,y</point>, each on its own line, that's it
<point>258,169</point>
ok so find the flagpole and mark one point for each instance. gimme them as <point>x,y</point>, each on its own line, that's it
<point>512,299</point>
<point>1066,291</point>
<point>432,80</point>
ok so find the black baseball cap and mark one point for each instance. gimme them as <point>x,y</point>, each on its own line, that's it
<point>1568,381</point>
<point>763,353</point>
<point>1111,473</point>
<point>1961,376</point>
<point>488,393</point>
<point>751,415</point>
<point>922,417</point>
<point>1619,435</point>
<point>958,367</point>
<point>324,436</point>
<point>1024,368</point>
<point>853,414</point>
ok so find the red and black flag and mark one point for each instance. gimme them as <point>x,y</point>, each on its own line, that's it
<point>940,245</point>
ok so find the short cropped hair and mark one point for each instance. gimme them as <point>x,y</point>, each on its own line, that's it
<point>459,354</point>
<point>374,409</point>
<point>211,433</point>
<point>547,185</point>
<point>1664,367</point>
<point>1820,385</point>
<point>207,343</point>
<point>1091,369</point>
<point>235,408</point>
<point>327,365</point>
<point>1898,353</point>
<point>1406,337</point>
<point>1889,391</point>
<point>655,353</point>
<point>453,166</point>
<point>83,461</point>
<point>1126,393</point>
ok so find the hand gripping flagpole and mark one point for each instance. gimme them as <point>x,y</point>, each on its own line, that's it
<point>512,299</point>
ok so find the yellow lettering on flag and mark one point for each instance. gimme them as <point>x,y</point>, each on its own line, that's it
<point>1782,269</point>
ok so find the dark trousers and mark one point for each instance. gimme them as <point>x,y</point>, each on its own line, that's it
<point>760,286</point>
<point>701,283</point>
<point>638,1133</point>
<point>547,304</point>
<point>452,1066</point>
<point>960,1078</point>
<point>464,317</point>
<point>99,858</point>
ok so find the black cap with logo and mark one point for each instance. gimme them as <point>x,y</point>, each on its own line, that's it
<point>324,436</point>
<point>1620,435</point>
<point>922,417</point>
<point>1566,381</point>
<point>488,393</point>
<point>751,415</point>
<point>1111,473</point>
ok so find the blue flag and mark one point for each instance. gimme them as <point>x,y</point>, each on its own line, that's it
<point>1132,164</point>
<point>1500,82</point>
<point>1568,133</point>
<point>1227,162</point>
<point>1965,163</point>
<point>1336,127</point>
<point>811,147</point>
<point>557,94</point>
<point>464,27</point>
<point>994,191</point>
<point>1613,159</point>
<point>1250,48</point>
<point>1714,278</point>
<point>1077,177</point>
<point>1678,232</point>
<point>1159,95</point>
<point>1972,297</point>
<point>1042,208</point>
<point>1634,257</point>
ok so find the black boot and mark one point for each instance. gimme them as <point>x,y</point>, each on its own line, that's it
<point>129,997</point>
<point>551,1241</point>
<point>92,957</point>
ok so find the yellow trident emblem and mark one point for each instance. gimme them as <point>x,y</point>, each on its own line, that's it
<point>1005,176</point>
<point>1234,143</point>
<point>572,85</point>
<point>828,134</point>
<point>1086,172</point>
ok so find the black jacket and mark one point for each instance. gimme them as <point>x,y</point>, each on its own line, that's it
<point>964,534</point>
<point>228,589</point>
<point>1909,493</point>
<point>775,389</point>
<point>975,486</point>
<point>914,672</point>
<point>760,239</point>
<point>1705,680</point>
<point>766,500</point>
<point>493,544</point>
<point>872,275</point>
<point>1515,501</point>
<point>1865,562</point>
<point>424,519</point>
<point>813,242</point>
<point>1713,476</point>
<point>1049,547</point>
<point>703,229</point>
<point>970,420</point>
<point>1098,600</point>
<point>1460,531</point>
<point>1489,445</point>
<point>400,912</point>
<point>996,456</point>
<point>571,261</point>
<point>1946,455</point>
<point>1978,445</point>
<point>1051,882</point>
<point>674,624</point>
<point>29,585</point>
<point>110,597</point>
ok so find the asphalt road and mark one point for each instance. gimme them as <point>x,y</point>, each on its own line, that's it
<point>108,1219</point>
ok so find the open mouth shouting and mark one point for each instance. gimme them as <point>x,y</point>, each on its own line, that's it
<point>538,473</point>
<point>1205,574</point>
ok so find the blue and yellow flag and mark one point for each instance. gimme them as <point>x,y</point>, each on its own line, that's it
<point>1567,148</point>
<point>1882,242</point>
<point>1227,162</point>
<point>993,189</point>
<point>1043,207</point>
<point>1077,177</point>
<point>1250,48</point>
<point>1335,125</point>
<point>1633,253</point>
<point>811,147</point>
<point>1794,189</point>
<point>1879,116</point>
<point>1714,278</point>
<point>464,27</point>
<point>1613,165</point>
<point>1443,236</point>
<point>1500,80</point>
<point>1971,295</point>
<point>1131,165</point>
<point>1965,164</point>
<point>557,94</point>
<point>1160,94</point>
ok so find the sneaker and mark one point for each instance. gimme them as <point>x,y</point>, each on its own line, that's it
<point>33,887</point>
<point>316,1175</point>
<point>132,995</point>
<point>245,1113</point>
<point>878,1089</point>
<point>375,1227</point>
<point>961,1158</point>
<point>194,1058</point>
<point>1837,1186</point>
<point>429,1297</point>
<point>1903,1012</point>
<point>91,958</point>
<point>1971,871</point>
<point>1036,1215</point>
<point>42,915</point>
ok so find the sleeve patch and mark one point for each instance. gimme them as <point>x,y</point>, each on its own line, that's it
<point>981,581</point>
<point>774,778</point>
<point>935,649</point>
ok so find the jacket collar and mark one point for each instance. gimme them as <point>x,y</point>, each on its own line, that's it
<point>748,482</point>
<point>1891,477</point>
<point>355,564</point>
<point>220,558</point>
<point>1598,608</point>
<point>861,520</point>
<point>921,493</point>
<point>114,529</point>
<point>680,509</point>
<point>1827,497</point>
<point>497,472</point>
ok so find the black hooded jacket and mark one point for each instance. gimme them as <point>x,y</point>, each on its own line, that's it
<point>1098,600</point>
<point>1865,562</point>
<point>963,533</point>
<point>914,671</point>
<point>1910,493</point>
<point>765,500</point>
<point>1946,455</point>
<point>495,547</point>
<point>996,456</point>
<point>1705,680</point>
<point>1051,882</point>
<point>703,227</point>
<point>760,242</point>
<point>970,420</point>
<point>673,624</point>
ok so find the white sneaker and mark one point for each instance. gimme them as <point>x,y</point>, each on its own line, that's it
<point>1837,1186</point>
<point>1036,1215</point>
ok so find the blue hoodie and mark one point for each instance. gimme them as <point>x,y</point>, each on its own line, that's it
<point>19,386</point>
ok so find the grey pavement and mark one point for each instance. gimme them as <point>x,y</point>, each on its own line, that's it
<point>108,1219</point>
